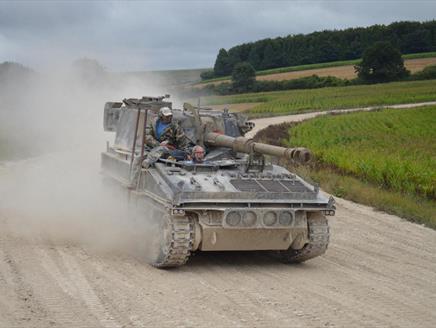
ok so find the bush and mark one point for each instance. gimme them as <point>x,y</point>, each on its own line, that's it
<point>309,82</point>
<point>243,77</point>
<point>207,75</point>
<point>381,63</point>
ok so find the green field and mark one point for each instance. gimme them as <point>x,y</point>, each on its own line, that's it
<point>389,150</point>
<point>319,65</point>
<point>297,101</point>
<point>385,159</point>
<point>394,149</point>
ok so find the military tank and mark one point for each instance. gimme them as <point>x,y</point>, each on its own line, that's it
<point>234,200</point>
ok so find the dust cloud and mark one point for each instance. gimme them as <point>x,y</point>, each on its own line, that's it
<point>51,137</point>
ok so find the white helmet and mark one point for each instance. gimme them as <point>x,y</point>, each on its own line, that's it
<point>165,111</point>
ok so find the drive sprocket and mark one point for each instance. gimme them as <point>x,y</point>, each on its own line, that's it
<point>176,241</point>
<point>319,235</point>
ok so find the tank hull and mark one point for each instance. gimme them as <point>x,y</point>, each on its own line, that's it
<point>233,200</point>
<point>263,220</point>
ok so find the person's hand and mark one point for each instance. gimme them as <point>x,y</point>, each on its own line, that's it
<point>189,157</point>
<point>164,143</point>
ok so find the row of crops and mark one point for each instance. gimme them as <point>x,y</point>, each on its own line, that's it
<point>294,101</point>
<point>394,149</point>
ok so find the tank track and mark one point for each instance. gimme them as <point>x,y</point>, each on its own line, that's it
<point>178,246</point>
<point>319,235</point>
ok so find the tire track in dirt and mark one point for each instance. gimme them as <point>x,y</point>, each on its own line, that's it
<point>364,278</point>
<point>379,270</point>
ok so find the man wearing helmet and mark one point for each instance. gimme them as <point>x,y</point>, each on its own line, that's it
<point>165,137</point>
<point>163,131</point>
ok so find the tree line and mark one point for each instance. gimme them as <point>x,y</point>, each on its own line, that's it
<point>380,63</point>
<point>325,46</point>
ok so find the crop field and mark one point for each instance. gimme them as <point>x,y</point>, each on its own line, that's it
<point>342,69</point>
<point>393,149</point>
<point>337,63</point>
<point>344,72</point>
<point>297,101</point>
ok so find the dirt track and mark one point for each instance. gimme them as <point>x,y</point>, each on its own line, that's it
<point>378,271</point>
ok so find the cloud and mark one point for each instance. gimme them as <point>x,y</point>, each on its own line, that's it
<point>174,34</point>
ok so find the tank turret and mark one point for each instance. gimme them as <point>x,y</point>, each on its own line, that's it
<point>247,145</point>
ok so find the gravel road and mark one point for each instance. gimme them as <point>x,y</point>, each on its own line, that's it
<point>379,270</point>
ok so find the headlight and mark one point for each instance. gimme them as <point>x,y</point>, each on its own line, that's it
<point>249,219</point>
<point>233,218</point>
<point>270,218</point>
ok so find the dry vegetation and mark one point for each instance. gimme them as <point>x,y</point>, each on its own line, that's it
<point>344,72</point>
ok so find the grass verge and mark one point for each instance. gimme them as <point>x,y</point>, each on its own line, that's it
<point>412,208</point>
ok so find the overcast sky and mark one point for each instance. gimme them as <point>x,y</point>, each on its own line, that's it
<point>128,36</point>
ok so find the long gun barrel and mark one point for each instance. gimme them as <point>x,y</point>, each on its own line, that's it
<point>246,145</point>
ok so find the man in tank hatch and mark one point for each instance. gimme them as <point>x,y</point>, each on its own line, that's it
<point>166,137</point>
<point>197,156</point>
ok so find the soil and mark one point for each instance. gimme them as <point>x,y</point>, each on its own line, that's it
<point>379,270</point>
<point>344,72</point>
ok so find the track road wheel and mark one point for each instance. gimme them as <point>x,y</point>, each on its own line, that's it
<point>318,241</point>
<point>176,236</point>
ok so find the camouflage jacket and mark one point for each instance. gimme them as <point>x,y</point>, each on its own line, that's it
<point>173,133</point>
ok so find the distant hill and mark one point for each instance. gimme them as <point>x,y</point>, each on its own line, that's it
<point>15,79</point>
<point>170,77</point>
<point>10,71</point>
<point>327,46</point>
<point>89,69</point>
